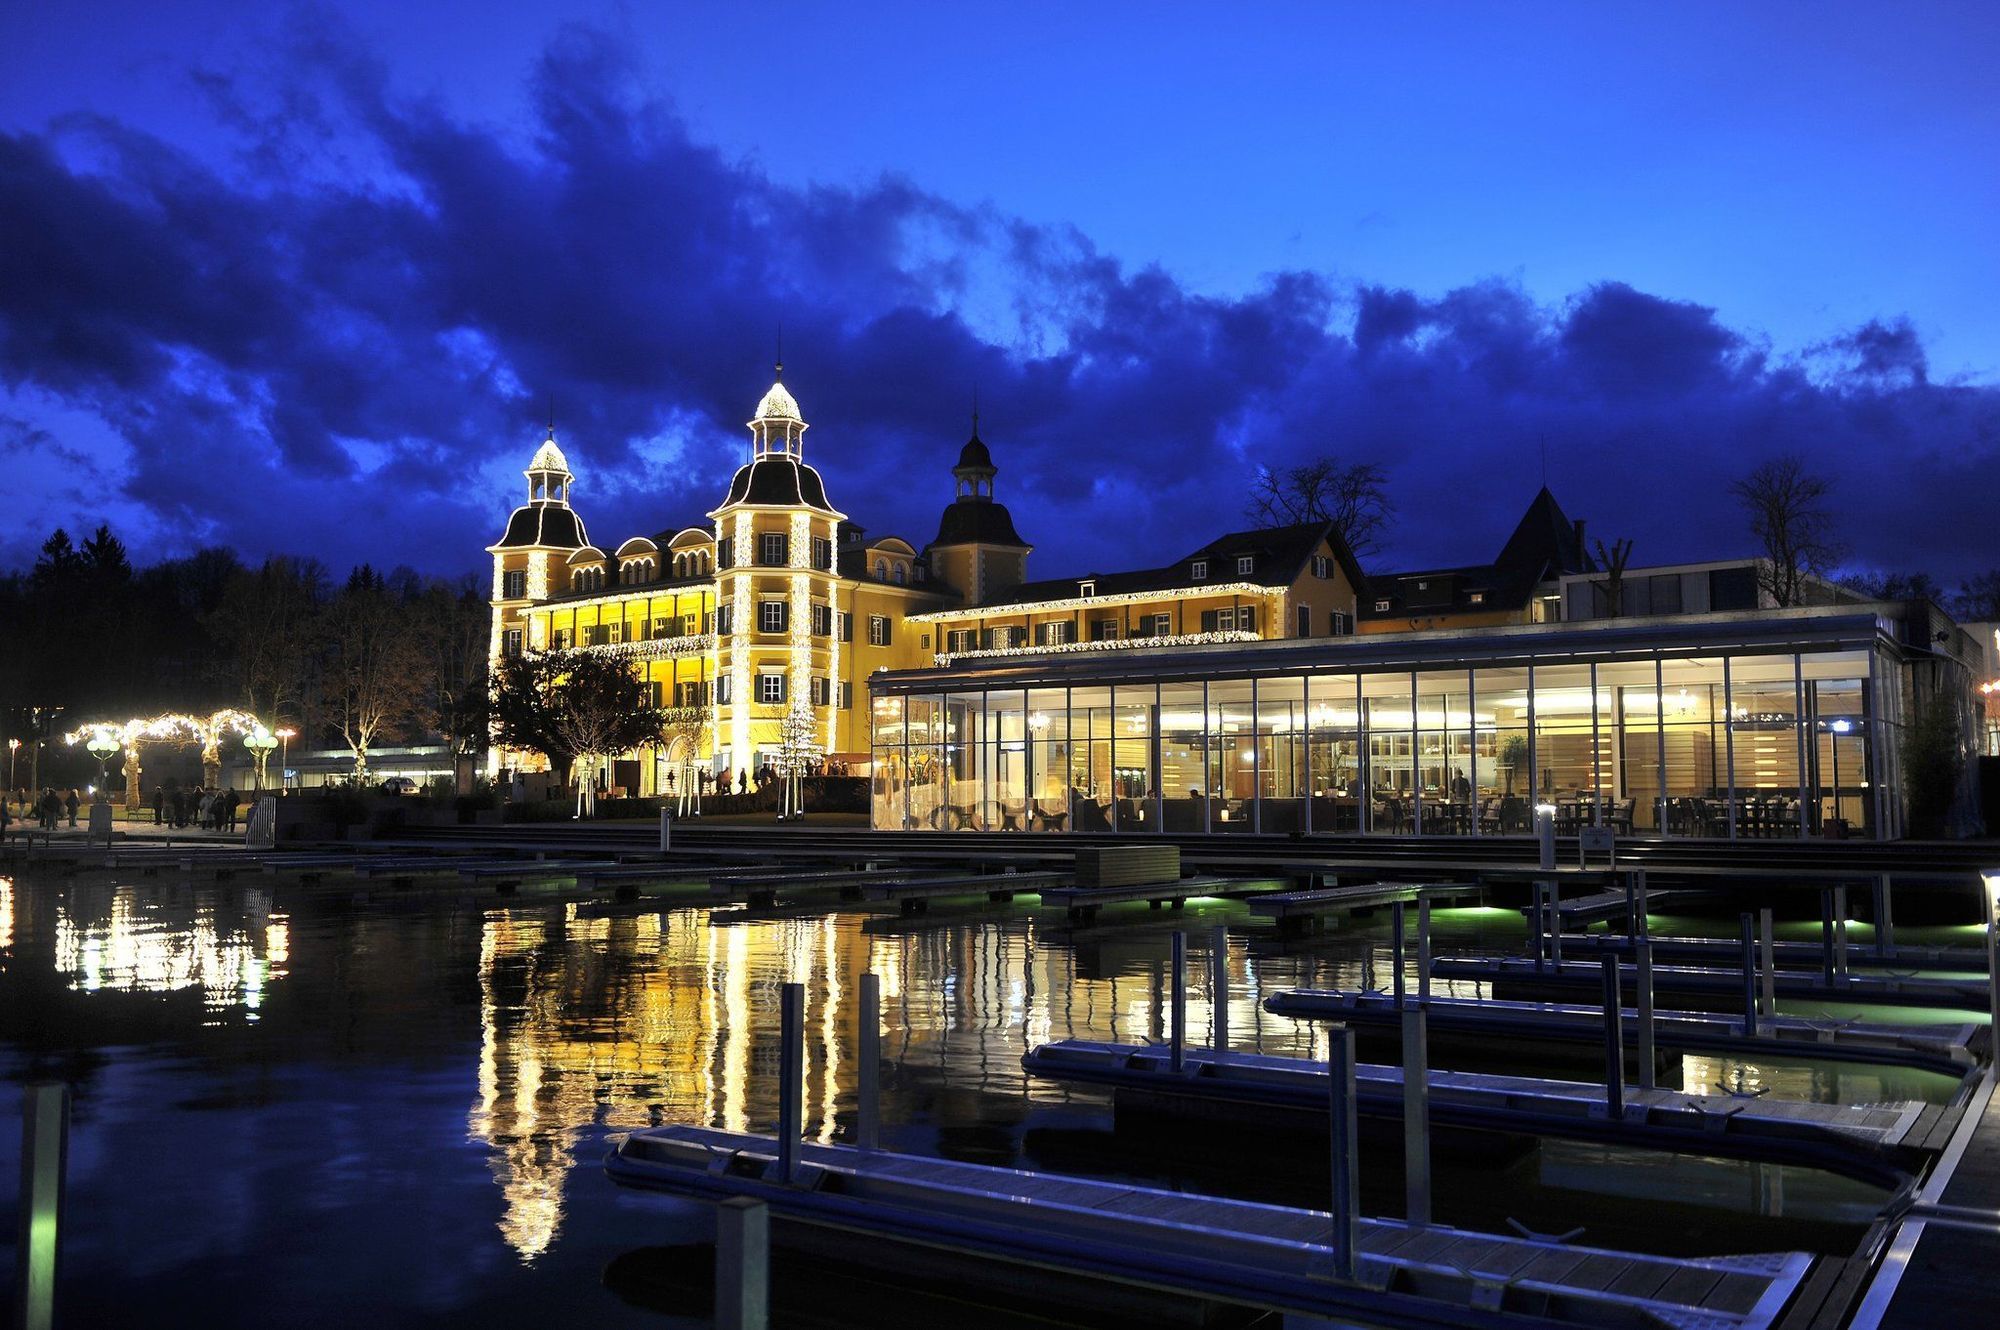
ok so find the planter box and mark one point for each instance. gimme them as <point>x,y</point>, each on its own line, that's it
<point>1127,865</point>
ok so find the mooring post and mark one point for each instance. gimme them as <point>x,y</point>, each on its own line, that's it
<point>1767,965</point>
<point>1885,917</point>
<point>1423,949</point>
<point>1614,1038</point>
<point>791,1078</point>
<point>666,829</point>
<point>1643,986</point>
<point>1396,948</point>
<point>1346,1208</point>
<point>1218,981</point>
<point>742,1264</point>
<point>44,1161</point>
<point>1826,936</point>
<point>1177,1012</point>
<point>1536,927</point>
<point>1749,948</point>
<point>1632,923</point>
<point>1555,925</point>
<point>1416,1115</point>
<point>1545,833</point>
<point>1840,935</point>
<point>868,1050</point>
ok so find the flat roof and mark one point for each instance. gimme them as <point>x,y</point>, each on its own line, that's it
<point>1810,628</point>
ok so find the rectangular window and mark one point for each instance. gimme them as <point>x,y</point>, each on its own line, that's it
<point>1322,567</point>
<point>725,552</point>
<point>723,691</point>
<point>514,584</point>
<point>771,616</point>
<point>510,642</point>
<point>1246,564</point>
<point>653,692</point>
<point>725,619</point>
<point>1246,618</point>
<point>1198,570</point>
<point>844,621</point>
<point>772,549</point>
<point>598,635</point>
<point>1477,598</point>
<point>1337,624</point>
<point>1086,589</point>
<point>1162,625</point>
<point>822,552</point>
<point>818,691</point>
<point>878,630</point>
<point>1305,621</point>
<point>1103,630</point>
<point>616,633</point>
<point>822,620</point>
<point>770,688</point>
<point>960,640</point>
<point>1381,606</point>
<point>1055,632</point>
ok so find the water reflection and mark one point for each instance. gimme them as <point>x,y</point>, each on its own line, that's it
<point>229,948</point>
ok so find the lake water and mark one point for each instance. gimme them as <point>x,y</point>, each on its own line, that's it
<point>302,1106</point>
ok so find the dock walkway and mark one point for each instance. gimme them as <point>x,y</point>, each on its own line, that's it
<point>1939,1266</point>
<point>1083,903</point>
<point>1712,989</point>
<point>1305,911</point>
<point>1239,1252</point>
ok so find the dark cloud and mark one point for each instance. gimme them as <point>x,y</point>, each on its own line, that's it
<point>341,343</point>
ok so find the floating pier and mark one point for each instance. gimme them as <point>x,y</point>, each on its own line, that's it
<point>1235,1252</point>
<point>1710,989</point>
<point>1489,1022</point>
<point>1882,1144</point>
<point>1083,903</point>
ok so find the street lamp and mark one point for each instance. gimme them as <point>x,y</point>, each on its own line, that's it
<point>13,750</point>
<point>103,743</point>
<point>284,756</point>
<point>260,742</point>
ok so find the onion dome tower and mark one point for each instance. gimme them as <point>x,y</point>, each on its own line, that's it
<point>540,533</point>
<point>776,652</point>
<point>546,521</point>
<point>977,549</point>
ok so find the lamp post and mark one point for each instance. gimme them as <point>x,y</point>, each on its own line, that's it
<point>13,751</point>
<point>260,742</point>
<point>285,755</point>
<point>103,743</point>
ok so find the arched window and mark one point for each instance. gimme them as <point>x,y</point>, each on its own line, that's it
<point>881,570</point>
<point>897,575</point>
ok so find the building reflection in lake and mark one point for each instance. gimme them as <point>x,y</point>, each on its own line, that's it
<point>593,1023</point>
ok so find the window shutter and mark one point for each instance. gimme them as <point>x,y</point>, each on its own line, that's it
<point>1208,621</point>
<point>886,627</point>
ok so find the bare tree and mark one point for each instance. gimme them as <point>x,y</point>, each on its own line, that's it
<point>377,673</point>
<point>1614,560</point>
<point>264,626</point>
<point>1787,509</point>
<point>1355,498</point>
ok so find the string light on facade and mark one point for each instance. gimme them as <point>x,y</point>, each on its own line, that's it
<point>1109,644</point>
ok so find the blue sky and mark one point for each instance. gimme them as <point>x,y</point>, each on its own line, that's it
<point>303,280</point>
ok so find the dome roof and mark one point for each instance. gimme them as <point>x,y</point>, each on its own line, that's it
<point>548,457</point>
<point>546,524</point>
<point>974,455</point>
<point>777,404</point>
<point>978,523</point>
<point>780,481</point>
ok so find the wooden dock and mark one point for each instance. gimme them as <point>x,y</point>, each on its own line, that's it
<point>1880,1144</point>
<point>1083,903</point>
<point>1938,1266</point>
<point>914,895</point>
<point>1490,1022</point>
<point>1709,989</point>
<point>1235,1252</point>
<point>1306,911</point>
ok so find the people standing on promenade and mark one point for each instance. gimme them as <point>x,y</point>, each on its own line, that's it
<point>159,804</point>
<point>231,801</point>
<point>51,808</point>
<point>72,803</point>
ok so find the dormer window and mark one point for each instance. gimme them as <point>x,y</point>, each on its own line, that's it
<point>1086,589</point>
<point>1198,570</point>
<point>1381,607</point>
<point>1477,597</point>
<point>1245,565</point>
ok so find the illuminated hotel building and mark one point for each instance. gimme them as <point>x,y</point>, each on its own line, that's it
<point>1262,682</point>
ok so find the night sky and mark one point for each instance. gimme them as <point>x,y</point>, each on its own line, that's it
<point>305,282</point>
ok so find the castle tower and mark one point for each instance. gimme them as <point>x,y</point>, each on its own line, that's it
<point>540,532</point>
<point>977,549</point>
<point>776,648</point>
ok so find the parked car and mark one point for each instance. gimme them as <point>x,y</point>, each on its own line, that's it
<point>399,785</point>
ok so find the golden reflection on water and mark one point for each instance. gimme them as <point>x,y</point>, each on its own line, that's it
<point>621,1022</point>
<point>129,939</point>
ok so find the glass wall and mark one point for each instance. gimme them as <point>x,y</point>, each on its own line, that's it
<point>1744,746</point>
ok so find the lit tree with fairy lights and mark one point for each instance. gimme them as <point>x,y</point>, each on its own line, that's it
<point>798,748</point>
